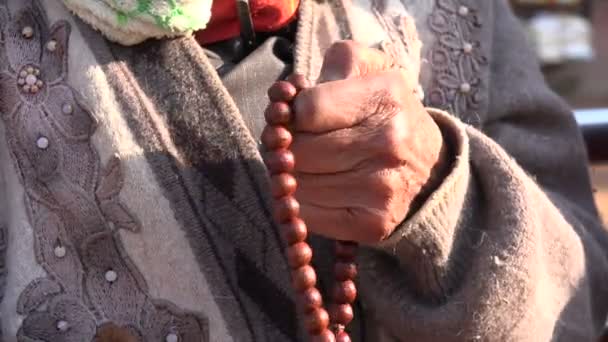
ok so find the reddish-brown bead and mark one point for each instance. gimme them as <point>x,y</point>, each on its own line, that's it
<point>299,255</point>
<point>278,113</point>
<point>294,231</point>
<point>286,208</point>
<point>346,250</point>
<point>324,336</point>
<point>343,337</point>
<point>316,321</point>
<point>341,313</point>
<point>279,161</point>
<point>345,270</point>
<point>303,278</point>
<point>282,91</point>
<point>299,81</point>
<point>282,185</point>
<point>344,292</point>
<point>309,300</point>
<point>276,137</point>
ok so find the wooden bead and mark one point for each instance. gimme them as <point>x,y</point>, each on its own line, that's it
<point>345,270</point>
<point>276,137</point>
<point>346,250</point>
<point>278,113</point>
<point>298,81</point>
<point>112,332</point>
<point>299,255</point>
<point>282,91</point>
<point>316,321</point>
<point>294,231</point>
<point>303,278</point>
<point>343,337</point>
<point>341,313</point>
<point>282,185</point>
<point>344,292</point>
<point>309,300</point>
<point>325,336</point>
<point>286,208</point>
<point>279,161</point>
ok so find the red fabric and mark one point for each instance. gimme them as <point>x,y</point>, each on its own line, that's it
<point>267,15</point>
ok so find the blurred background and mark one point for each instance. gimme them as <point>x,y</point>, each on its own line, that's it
<point>571,40</point>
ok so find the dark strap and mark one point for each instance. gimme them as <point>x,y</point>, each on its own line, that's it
<point>250,79</point>
<point>247,29</point>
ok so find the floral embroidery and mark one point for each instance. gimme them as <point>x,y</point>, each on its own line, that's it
<point>456,58</point>
<point>72,204</point>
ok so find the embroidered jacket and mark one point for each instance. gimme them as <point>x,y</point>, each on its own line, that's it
<point>133,195</point>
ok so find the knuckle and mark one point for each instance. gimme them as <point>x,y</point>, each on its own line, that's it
<point>378,227</point>
<point>394,144</point>
<point>386,189</point>
<point>385,210</point>
<point>383,186</point>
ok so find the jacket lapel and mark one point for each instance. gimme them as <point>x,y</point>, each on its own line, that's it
<point>209,168</point>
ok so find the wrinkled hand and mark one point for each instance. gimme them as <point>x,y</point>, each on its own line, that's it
<point>366,150</point>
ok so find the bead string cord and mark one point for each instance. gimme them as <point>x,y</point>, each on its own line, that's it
<point>322,325</point>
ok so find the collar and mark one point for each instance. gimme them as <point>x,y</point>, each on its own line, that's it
<point>133,21</point>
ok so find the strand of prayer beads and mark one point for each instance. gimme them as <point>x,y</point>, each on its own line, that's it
<point>323,326</point>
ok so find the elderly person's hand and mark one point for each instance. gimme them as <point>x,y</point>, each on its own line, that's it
<point>366,150</point>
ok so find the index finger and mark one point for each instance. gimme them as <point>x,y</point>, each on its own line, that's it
<point>346,103</point>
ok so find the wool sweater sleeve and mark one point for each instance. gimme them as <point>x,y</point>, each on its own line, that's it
<point>510,246</point>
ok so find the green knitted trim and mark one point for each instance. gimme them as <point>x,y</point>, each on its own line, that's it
<point>176,13</point>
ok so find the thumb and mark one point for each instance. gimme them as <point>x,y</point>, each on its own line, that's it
<point>349,59</point>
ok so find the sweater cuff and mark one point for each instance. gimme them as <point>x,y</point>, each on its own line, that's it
<point>430,231</point>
